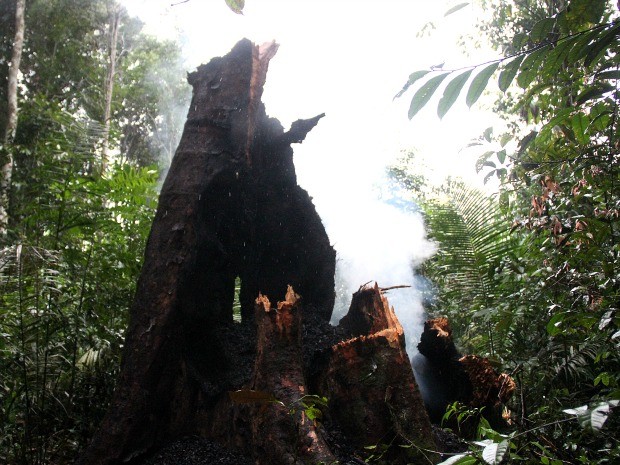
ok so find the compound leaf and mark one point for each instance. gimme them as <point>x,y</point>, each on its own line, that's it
<point>509,72</point>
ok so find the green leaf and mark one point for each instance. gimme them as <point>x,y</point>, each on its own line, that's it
<point>555,323</point>
<point>541,29</point>
<point>579,123</point>
<point>584,12</point>
<point>509,72</point>
<point>424,94</point>
<point>469,225</point>
<point>556,57</point>
<point>236,5</point>
<point>460,459</point>
<point>530,66</point>
<point>507,137</point>
<point>413,77</point>
<point>558,119</point>
<point>519,40</point>
<point>593,93</point>
<point>599,46</point>
<point>483,159</point>
<point>488,176</point>
<point>580,48</point>
<point>609,75</point>
<point>455,8</point>
<point>451,93</point>
<point>600,115</point>
<point>479,84</point>
<point>313,413</point>
<point>603,378</point>
<point>494,453</point>
<point>313,399</point>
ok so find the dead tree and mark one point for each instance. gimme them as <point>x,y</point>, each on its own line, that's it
<point>230,209</point>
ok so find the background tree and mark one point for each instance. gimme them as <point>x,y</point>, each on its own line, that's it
<point>6,157</point>
<point>114,12</point>
<point>73,249</point>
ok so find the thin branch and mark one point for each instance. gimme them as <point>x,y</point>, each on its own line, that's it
<point>525,52</point>
<point>400,286</point>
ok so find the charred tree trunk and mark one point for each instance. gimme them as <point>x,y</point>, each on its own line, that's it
<point>231,208</point>
<point>282,433</point>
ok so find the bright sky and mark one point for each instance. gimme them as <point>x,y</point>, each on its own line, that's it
<point>348,58</point>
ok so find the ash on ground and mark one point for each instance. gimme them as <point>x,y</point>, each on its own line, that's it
<point>194,450</point>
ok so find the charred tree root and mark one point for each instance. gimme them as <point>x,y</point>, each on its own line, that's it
<point>231,208</point>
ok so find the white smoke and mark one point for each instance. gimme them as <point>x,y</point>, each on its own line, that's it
<point>379,242</point>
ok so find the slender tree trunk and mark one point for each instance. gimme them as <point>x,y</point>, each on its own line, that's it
<point>115,17</point>
<point>11,127</point>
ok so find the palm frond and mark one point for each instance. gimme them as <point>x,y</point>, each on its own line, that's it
<point>473,239</point>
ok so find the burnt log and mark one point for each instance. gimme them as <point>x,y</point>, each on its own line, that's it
<point>230,209</point>
<point>445,376</point>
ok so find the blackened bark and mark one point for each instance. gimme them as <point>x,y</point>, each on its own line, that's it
<point>230,207</point>
<point>281,432</point>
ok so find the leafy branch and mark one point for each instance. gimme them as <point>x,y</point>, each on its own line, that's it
<point>585,46</point>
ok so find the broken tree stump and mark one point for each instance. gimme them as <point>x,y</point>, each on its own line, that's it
<point>281,432</point>
<point>370,385</point>
<point>445,376</point>
<point>230,209</point>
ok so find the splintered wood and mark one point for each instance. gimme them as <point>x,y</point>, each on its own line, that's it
<point>369,379</point>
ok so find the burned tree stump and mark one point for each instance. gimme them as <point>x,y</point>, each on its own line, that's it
<point>370,383</point>
<point>445,376</point>
<point>230,209</point>
<point>281,432</point>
